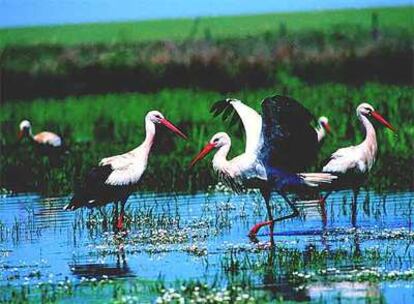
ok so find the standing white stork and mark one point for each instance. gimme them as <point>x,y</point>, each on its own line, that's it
<point>278,144</point>
<point>115,178</point>
<point>323,128</point>
<point>352,164</point>
<point>45,138</point>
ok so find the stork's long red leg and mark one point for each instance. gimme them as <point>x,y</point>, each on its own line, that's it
<point>255,229</point>
<point>322,199</point>
<point>272,221</point>
<point>120,223</point>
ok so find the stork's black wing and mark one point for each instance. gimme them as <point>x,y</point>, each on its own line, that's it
<point>93,188</point>
<point>97,176</point>
<point>290,141</point>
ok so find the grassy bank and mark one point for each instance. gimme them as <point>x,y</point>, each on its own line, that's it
<point>218,27</point>
<point>97,126</point>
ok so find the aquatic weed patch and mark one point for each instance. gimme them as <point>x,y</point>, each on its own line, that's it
<point>102,290</point>
<point>318,265</point>
<point>202,293</point>
<point>362,274</point>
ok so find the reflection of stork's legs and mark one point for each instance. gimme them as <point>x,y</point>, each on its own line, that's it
<point>322,205</point>
<point>272,223</point>
<point>324,215</point>
<point>104,218</point>
<point>120,256</point>
<point>354,208</point>
<point>354,215</point>
<point>322,202</point>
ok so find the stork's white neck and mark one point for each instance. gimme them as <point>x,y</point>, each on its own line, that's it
<point>369,144</point>
<point>149,138</point>
<point>370,135</point>
<point>320,132</point>
<point>149,133</point>
<point>220,158</point>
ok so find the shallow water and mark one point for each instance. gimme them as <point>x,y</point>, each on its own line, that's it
<point>204,237</point>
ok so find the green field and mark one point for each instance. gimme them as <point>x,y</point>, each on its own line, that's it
<point>103,125</point>
<point>400,18</point>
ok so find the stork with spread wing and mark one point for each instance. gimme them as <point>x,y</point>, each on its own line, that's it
<point>279,143</point>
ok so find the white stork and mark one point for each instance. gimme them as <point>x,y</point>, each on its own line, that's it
<point>278,144</point>
<point>323,128</point>
<point>45,138</point>
<point>352,164</point>
<point>115,178</point>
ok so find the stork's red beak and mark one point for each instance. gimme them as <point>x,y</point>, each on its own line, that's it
<point>173,128</point>
<point>20,135</point>
<point>382,120</point>
<point>207,149</point>
<point>327,127</point>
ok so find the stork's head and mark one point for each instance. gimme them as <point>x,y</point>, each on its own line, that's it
<point>367,110</point>
<point>156,117</point>
<point>324,123</point>
<point>218,140</point>
<point>25,129</point>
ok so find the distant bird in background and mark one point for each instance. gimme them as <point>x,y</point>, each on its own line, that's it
<point>323,128</point>
<point>45,143</point>
<point>279,144</point>
<point>45,138</point>
<point>352,164</point>
<point>116,177</point>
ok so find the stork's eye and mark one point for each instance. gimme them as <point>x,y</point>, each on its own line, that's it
<point>216,140</point>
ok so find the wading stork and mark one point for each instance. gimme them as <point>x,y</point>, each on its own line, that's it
<point>352,164</point>
<point>45,138</point>
<point>116,177</point>
<point>279,144</point>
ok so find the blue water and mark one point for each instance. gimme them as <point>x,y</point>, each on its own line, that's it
<point>39,242</point>
<point>47,12</point>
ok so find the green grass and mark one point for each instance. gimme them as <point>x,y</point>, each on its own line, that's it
<point>98,126</point>
<point>400,18</point>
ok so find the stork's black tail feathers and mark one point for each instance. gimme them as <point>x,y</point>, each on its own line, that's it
<point>78,200</point>
<point>93,189</point>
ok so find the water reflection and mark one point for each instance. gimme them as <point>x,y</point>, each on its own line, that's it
<point>118,269</point>
<point>188,237</point>
<point>279,285</point>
